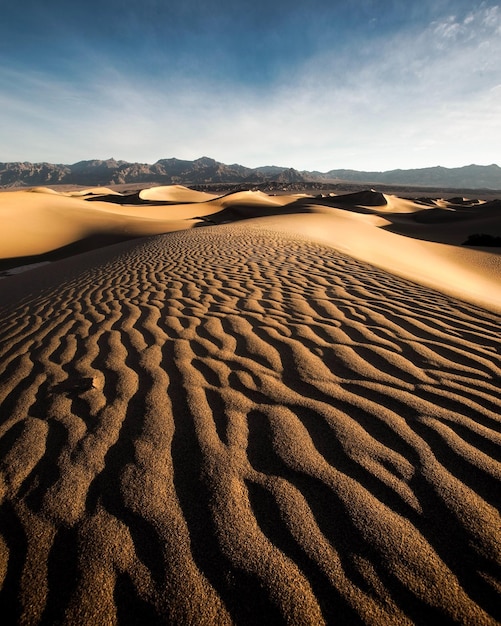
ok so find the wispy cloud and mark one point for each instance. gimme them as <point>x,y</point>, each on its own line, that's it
<point>415,98</point>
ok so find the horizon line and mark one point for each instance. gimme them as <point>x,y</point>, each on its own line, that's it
<point>285,167</point>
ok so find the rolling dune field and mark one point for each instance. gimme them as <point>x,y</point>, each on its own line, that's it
<point>282,411</point>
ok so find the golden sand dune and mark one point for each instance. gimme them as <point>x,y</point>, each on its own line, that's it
<point>472,275</point>
<point>242,424</point>
<point>93,191</point>
<point>174,193</point>
<point>41,220</point>
<point>44,190</point>
<point>37,223</point>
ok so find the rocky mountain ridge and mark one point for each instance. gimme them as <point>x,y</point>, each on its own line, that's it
<point>209,171</point>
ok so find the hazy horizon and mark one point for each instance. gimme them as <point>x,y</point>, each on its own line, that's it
<point>263,165</point>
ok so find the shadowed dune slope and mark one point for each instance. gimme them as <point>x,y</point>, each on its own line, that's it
<point>236,425</point>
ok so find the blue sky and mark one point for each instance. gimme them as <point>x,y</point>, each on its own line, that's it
<point>322,84</point>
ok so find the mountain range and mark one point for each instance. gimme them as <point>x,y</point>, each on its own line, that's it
<point>205,171</point>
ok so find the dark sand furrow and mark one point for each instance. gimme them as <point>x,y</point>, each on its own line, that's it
<point>420,327</point>
<point>376,474</point>
<point>354,587</point>
<point>430,401</point>
<point>333,605</point>
<point>46,472</point>
<point>453,540</point>
<point>459,318</point>
<point>390,363</point>
<point>130,324</point>
<point>468,464</point>
<point>268,515</point>
<point>21,449</point>
<point>273,433</point>
<point>218,409</point>
<point>67,342</point>
<point>464,358</point>
<point>22,400</point>
<point>358,452</point>
<point>369,334</point>
<point>14,549</point>
<point>453,402</point>
<point>56,355</point>
<point>249,344</point>
<point>239,591</point>
<point>15,324</point>
<point>444,315</point>
<point>36,334</point>
<point>317,334</point>
<point>480,437</point>
<point>156,525</point>
<point>473,466</point>
<point>481,390</point>
<point>147,323</point>
<point>326,497</point>
<point>13,375</point>
<point>82,457</point>
<point>459,497</point>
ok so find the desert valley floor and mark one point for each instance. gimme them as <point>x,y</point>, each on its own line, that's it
<point>252,409</point>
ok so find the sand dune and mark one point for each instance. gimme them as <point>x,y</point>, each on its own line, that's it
<point>472,275</point>
<point>93,191</point>
<point>174,193</point>
<point>38,223</point>
<point>246,423</point>
<point>390,232</point>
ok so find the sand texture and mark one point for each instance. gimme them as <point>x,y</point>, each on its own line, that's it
<point>242,423</point>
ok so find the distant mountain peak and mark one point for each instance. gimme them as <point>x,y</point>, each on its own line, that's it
<point>206,170</point>
<point>205,161</point>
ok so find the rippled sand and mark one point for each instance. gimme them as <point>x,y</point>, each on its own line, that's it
<point>239,424</point>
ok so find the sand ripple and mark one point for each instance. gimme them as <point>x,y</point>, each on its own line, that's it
<point>234,425</point>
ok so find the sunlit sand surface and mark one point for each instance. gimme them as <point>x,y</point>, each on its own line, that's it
<point>269,410</point>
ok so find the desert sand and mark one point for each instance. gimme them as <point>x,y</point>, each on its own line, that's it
<point>255,410</point>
